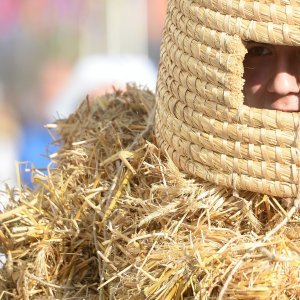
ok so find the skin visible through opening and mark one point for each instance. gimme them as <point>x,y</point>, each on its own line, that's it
<point>272,77</point>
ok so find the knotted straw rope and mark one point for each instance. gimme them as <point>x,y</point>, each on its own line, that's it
<point>201,120</point>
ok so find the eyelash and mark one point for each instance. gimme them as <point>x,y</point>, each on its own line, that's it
<point>262,50</point>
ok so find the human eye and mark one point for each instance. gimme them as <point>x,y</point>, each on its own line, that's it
<point>258,50</point>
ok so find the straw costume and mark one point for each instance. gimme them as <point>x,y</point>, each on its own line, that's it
<point>200,202</point>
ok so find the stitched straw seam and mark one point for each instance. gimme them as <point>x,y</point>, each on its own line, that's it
<point>192,98</point>
<point>182,79</point>
<point>225,163</point>
<point>202,71</point>
<point>243,182</point>
<point>191,82</point>
<point>212,38</point>
<point>200,88</point>
<point>256,11</point>
<point>247,30</point>
<point>218,144</point>
<point>176,41</point>
<point>271,119</point>
<point>200,121</point>
<point>282,119</point>
<point>250,116</point>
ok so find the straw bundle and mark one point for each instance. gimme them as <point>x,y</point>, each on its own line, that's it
<point>201,119</point>
<point>116,219</point>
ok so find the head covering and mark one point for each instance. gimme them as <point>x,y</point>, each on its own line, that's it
<point>201,120</point>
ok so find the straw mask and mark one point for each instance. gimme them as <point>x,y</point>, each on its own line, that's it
<point>201,119</point>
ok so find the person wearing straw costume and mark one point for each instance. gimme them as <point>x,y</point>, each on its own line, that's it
<point>202,119</point>
<point>272,74</point>
<point>200,202</point>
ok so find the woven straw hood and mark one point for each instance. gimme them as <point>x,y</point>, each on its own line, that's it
<point>201,120</point>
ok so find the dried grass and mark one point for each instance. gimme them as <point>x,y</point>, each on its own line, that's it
<point>116,219</point>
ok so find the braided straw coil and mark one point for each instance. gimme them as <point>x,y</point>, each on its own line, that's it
<point>201,120</point>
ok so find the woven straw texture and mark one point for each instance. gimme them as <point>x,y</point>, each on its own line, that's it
<point>201,120</point>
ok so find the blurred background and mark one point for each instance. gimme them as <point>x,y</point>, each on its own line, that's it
<point>55,52</point>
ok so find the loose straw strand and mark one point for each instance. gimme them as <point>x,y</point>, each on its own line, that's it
<point>289,215</point>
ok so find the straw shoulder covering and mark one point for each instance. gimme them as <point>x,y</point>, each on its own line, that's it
<point>116,219</point>
<point>201,120</point>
